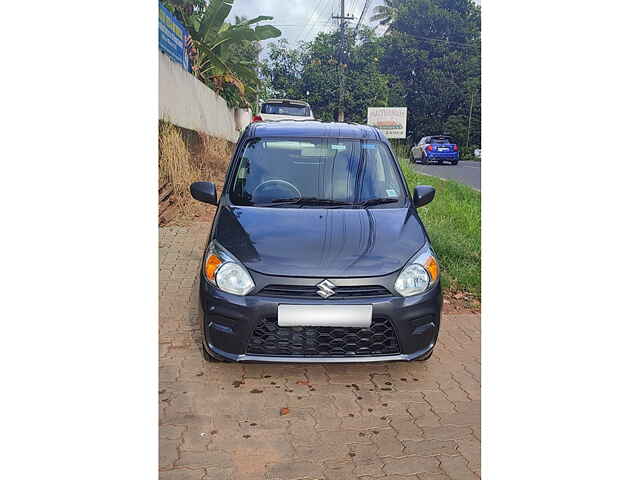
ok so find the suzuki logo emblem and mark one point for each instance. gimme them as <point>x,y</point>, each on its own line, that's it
<point>325,289</point>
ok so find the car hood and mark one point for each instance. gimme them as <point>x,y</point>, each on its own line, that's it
<point>312,242</point>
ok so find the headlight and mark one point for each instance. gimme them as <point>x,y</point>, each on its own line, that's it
<point>419,275</point>
<point>223,270</point>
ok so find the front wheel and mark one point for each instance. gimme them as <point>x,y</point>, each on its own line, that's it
<point>211,358</point>
<point>425,357</point>
<point>207,356</point>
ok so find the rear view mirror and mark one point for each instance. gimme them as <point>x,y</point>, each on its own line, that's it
<point>423,194</point>
<point>204,192</point>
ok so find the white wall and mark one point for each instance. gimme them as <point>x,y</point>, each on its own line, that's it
<point>189,103</point>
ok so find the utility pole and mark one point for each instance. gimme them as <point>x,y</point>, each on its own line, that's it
<point>470,110</point>
<point>342,45</point>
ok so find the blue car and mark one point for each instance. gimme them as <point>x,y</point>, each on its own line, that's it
<point>435,149</point>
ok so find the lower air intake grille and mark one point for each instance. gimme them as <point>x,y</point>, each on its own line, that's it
<point>270,339</point>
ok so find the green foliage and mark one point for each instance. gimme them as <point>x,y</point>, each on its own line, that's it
<point>453,223</point>
<point>433,51</point>
<point>466,153</point>
<point>183,9</point>
<point>387,13</point>
<point>428,60</point>
<point>456,126</point>
<point>312,72</point>
<point>227,54</point>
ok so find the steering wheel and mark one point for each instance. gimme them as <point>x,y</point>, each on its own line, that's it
<point>275,188</point>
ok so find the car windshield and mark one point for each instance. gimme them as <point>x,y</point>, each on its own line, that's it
<point>317,172</point>
<point>285,109</point>
<point>440,140</point>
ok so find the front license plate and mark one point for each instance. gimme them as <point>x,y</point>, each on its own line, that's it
<point>356,316</point>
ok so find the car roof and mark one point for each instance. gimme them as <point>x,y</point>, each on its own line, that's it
<point>312,128</point>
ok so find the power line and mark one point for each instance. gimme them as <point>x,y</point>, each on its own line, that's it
<point>309,20</point>
<point>440,40</point>
<point>359,5</point>
<point>326,13</point>
<point>328,22</point>
<point>317,13</point>
<point>367,4</point>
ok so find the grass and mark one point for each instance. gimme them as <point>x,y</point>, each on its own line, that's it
<point>453,222</point>
<point>186,156</point>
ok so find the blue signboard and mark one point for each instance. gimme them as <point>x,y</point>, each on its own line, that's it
<point>173,38</point>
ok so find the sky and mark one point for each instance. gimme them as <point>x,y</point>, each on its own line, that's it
<point>301,19</point>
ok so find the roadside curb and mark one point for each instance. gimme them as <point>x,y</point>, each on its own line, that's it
<point>448,180</point>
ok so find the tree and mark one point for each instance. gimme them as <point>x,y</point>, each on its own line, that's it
<point>183,9</point>
<point>312,72</point>
<point>429,62</point>
<point>220,61</point>
<point>386,14</point>
<point>433,53</point>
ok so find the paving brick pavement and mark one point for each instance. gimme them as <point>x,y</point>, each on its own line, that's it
<point>392,421</point>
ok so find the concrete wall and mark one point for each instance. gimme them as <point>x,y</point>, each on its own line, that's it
<point>189,103</point>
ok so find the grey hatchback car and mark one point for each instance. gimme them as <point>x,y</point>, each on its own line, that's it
<point>317,252</point>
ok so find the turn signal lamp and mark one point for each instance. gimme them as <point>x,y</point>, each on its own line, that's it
<point>429,147</point>
<point>222,270</point>
<point>211,266</point>
<point>431,266</point>
<point>455,148</point>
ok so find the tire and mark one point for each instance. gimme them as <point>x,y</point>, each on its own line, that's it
<point>455,162</point>
<point>440,162</point>
<point>424,358</point>
<point>212,358</point>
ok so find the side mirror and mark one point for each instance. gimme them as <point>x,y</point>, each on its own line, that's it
<point>423,194</point>
<point>204,192</point>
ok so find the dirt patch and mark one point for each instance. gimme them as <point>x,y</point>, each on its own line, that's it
<point>460,302</point>
<point>186,156</point>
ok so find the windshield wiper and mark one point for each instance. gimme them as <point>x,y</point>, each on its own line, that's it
<point>278,201</point>
<point>376,201</point>
<point>303,201</point>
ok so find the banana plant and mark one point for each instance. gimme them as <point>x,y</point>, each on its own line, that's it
<point>214,63</point>
<point>387,13</point>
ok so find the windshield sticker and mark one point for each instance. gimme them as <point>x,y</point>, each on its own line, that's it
<point>391,193</point>
<point>338,147</point>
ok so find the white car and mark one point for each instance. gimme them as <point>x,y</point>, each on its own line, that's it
<point>283,109</point>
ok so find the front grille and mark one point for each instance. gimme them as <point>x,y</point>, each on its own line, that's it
<point>310,291</point>
<point>270,339</point>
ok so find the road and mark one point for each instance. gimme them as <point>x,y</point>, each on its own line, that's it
<point>465,172</point>
<point>226,421</point>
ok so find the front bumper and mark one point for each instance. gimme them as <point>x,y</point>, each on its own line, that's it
<point>228,323</point>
